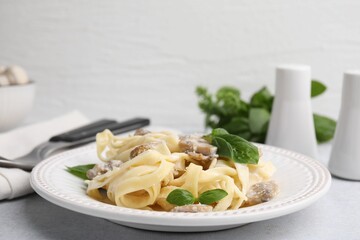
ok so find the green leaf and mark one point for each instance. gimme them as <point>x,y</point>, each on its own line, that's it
<point>258,119</point>
<point>324,128</point>
<point>223,92</point>
<point>224,148</point>
<point>233,147</point>
<point>212,196</point>
<point>244,109</point>
<point>180,197</point>
<point>237,125</point>
<point>221,107</point>
<point>80,170</point>
<point>201,91</point>
<point>245,135</point>
<point>205,100</point>
<point>228,102</point>
<point>262,99</point>
<point>259,138</point>
<point>227,110</point>
<point>243,151</point>
<point>317,88</point>
<point>218,131</point>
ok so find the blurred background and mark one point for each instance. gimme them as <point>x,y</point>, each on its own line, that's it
<point>128,58</point>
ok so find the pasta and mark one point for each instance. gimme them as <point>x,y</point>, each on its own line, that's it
<point>150,165</point>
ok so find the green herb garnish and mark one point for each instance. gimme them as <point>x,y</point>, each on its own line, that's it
<point>262,99</point>
<point>80,170</point>
<point>324,128</point>
<point>317,88</point>
<point>249,120</point>
<point>233,147</point>
<point>212,196</point>
<point>181,197</point>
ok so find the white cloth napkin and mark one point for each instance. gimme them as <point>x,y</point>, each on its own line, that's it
<point>15,182</point>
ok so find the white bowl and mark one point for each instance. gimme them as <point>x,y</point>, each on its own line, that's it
<point>16,102</point>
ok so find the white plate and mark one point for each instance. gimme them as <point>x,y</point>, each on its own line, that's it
<point>301,179</point>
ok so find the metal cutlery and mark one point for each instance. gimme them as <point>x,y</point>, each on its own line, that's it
<point>70,139</point>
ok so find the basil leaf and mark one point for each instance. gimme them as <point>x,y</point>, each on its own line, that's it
<point>224,148</point>
<point>324,128</point>
<point>317,88</point>
<point>218,131</point>
<point>233,147</point>
<point>237,125</point>
<point>245,135</point>
<point>262,99</point>
<point>212,196</point>
<point>228,101</point>
<point>260,138</point>
<point>258,119</point>
<point>242,150</point>
<point>80,170</point>
<point>180,197</point>
<point>223,92</point>
<point>227,110</point>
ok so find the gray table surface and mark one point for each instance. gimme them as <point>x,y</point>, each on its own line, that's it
<point>334,216</point>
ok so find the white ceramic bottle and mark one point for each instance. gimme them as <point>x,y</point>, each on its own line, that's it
<point>345,156</point>
<point>291,125</point>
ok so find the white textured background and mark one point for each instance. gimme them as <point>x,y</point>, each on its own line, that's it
<point>125,58</point>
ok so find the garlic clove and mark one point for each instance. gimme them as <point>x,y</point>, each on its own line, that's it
<point>16,75</point>
<point>2,69</point>
<point>4,81</point>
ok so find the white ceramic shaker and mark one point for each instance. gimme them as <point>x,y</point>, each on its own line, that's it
<point>345,156</point>
<point>291,125</point>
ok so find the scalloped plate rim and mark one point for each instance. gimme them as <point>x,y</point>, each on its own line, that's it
<point>185,222</point>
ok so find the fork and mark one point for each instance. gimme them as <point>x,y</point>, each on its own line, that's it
<point>70,139</point>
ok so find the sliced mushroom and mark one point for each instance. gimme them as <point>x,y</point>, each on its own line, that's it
<point>139,149</point>
<point>102,168</point>
<point>197,148</point>
<point>205,148</point>
<point>262,192</point>
<point>141,132</point>
<point>193,208</point>
<point>199,156</point>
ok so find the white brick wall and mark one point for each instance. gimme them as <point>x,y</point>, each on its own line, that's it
<point>124,58</point>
